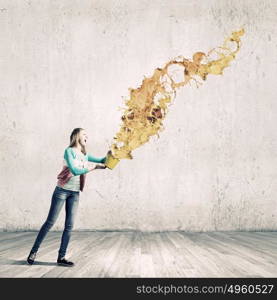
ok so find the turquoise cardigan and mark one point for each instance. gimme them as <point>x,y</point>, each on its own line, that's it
<point>70,155</point>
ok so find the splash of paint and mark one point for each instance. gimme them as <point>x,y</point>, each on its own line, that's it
<point>147,105</point>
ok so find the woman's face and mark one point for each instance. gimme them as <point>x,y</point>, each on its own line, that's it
<point>83,138</point>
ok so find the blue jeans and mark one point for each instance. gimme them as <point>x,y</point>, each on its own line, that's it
<point>60,196</point>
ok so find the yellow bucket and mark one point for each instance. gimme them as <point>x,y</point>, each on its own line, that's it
<point>111,161</point>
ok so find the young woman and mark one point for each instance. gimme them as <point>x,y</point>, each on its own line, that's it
<point>71,180</point>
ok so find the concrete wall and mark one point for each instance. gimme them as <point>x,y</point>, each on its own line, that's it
<point>65,64</point>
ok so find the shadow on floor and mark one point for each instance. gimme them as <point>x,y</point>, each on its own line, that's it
<point>24,263</point>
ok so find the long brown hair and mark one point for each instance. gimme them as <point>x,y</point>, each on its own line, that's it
<point>74,138</point>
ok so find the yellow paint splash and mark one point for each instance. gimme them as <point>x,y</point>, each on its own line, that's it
<point>147,105</point>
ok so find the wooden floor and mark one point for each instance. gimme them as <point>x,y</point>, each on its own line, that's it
<point>137,254</point>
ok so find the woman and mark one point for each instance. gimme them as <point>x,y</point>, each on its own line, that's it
<point>71,181</point>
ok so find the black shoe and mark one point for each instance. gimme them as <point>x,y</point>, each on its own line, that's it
<point>64,262</point>
<point>31,258</point>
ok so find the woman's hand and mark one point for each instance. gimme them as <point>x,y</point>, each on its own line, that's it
<point>91,167</point>
<point>98,166</point>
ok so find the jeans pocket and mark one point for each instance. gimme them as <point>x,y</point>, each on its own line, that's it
<point>60,193</point>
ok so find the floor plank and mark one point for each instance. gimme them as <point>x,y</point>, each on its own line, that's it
<point>143,254</point>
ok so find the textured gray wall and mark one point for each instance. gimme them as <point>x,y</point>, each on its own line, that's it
<point>65,64</point>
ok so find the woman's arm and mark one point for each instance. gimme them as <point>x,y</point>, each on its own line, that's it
<point>95,159</point>
<point>68,156</point>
